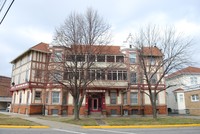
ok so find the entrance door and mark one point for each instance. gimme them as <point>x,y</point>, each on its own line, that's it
<point>95,104</point>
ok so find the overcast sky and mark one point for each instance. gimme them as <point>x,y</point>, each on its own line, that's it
<point>30,22</point>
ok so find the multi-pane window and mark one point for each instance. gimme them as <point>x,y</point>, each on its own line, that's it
<point>120,75</point>
<point>68,75</point>
<point>193,80</point>
<point>181,97</point>
<point>100,58</point>
<point>55,97</point>
<point>153,79</point>
<point>70,57</point>
<point>195,97</point>
<point>47,97</point>
<point>133,78</point>
<point>152,60</point>
<point>57,56</point>
<point>117,75</point>
<point>134,97</point>
<point>28,96</point>
<point>114,75</point>
<point>113,98</point>
<point>100,75</point>
<point>79,74</point>
<point>91,58</point>
<point>125,98</point>
<point>109,75</point>
<point>80,58</point>
<point>91,74</point>
<point>64,98</point>
<point>27,76</point>
<point>110,59</point>
<point>119,58</point>
<point>124,74</point>
<point>20,98</point>
<point>132,58</point>
<point>37,95</point>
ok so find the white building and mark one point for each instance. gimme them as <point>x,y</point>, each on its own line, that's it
<point>181,82</point>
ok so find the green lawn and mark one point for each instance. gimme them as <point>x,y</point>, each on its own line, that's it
<point>150,121</point>
<point>9,120</point>
<point>112,121</point>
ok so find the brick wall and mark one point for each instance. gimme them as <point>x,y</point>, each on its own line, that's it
<point>27,109</point>
<point>193,106</point>
<point>71,110</point>
<point>114,107</point>
<point>161,109</point>
<point>5,86</point>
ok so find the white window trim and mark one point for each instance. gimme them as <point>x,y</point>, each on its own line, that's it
<point>196,98</point>
<point>58,98</point>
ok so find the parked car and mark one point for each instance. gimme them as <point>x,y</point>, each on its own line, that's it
<point>8,109</point>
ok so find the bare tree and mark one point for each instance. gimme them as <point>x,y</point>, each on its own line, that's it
<point>160,52</point>
<point>80,39</point>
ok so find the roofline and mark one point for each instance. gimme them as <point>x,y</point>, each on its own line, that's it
<point>30,49</point>
<point>5,76</point>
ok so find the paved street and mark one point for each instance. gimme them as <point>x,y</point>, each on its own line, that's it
<point>193,130</point>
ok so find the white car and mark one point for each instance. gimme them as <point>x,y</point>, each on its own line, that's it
<point>8,109</point>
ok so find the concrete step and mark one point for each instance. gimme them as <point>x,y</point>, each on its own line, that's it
<point>95,114</point>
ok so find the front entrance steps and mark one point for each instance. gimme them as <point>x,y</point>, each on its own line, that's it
<point>95,114</point>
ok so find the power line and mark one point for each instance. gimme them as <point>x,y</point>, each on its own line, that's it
<point>3,5</point>
<point>6,11</point>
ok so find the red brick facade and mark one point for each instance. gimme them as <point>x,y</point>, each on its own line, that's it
<point>5,86</point>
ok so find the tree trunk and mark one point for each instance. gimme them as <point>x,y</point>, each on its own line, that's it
<point>76,111</point>
<point>154,110</point>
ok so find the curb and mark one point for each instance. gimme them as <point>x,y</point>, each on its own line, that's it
<point>10,126</point>
<point>146,126</point>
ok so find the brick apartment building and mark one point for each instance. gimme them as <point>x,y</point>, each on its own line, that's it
<point>5,95</point>
<point>113,92</point>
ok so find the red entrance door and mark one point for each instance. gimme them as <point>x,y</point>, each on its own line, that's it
<point>95,104</point>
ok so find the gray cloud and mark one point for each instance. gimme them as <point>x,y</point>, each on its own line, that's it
<point>33,21</point>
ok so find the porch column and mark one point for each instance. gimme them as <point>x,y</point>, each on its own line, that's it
<point>103,104</point>
<point>86,105</point>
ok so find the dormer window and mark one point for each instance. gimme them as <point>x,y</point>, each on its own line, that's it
<point>132,57</point>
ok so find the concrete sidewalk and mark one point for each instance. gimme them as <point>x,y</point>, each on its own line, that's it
<point>44,123</point>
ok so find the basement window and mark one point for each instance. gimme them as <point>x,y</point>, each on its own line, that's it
<point>113,112</point>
